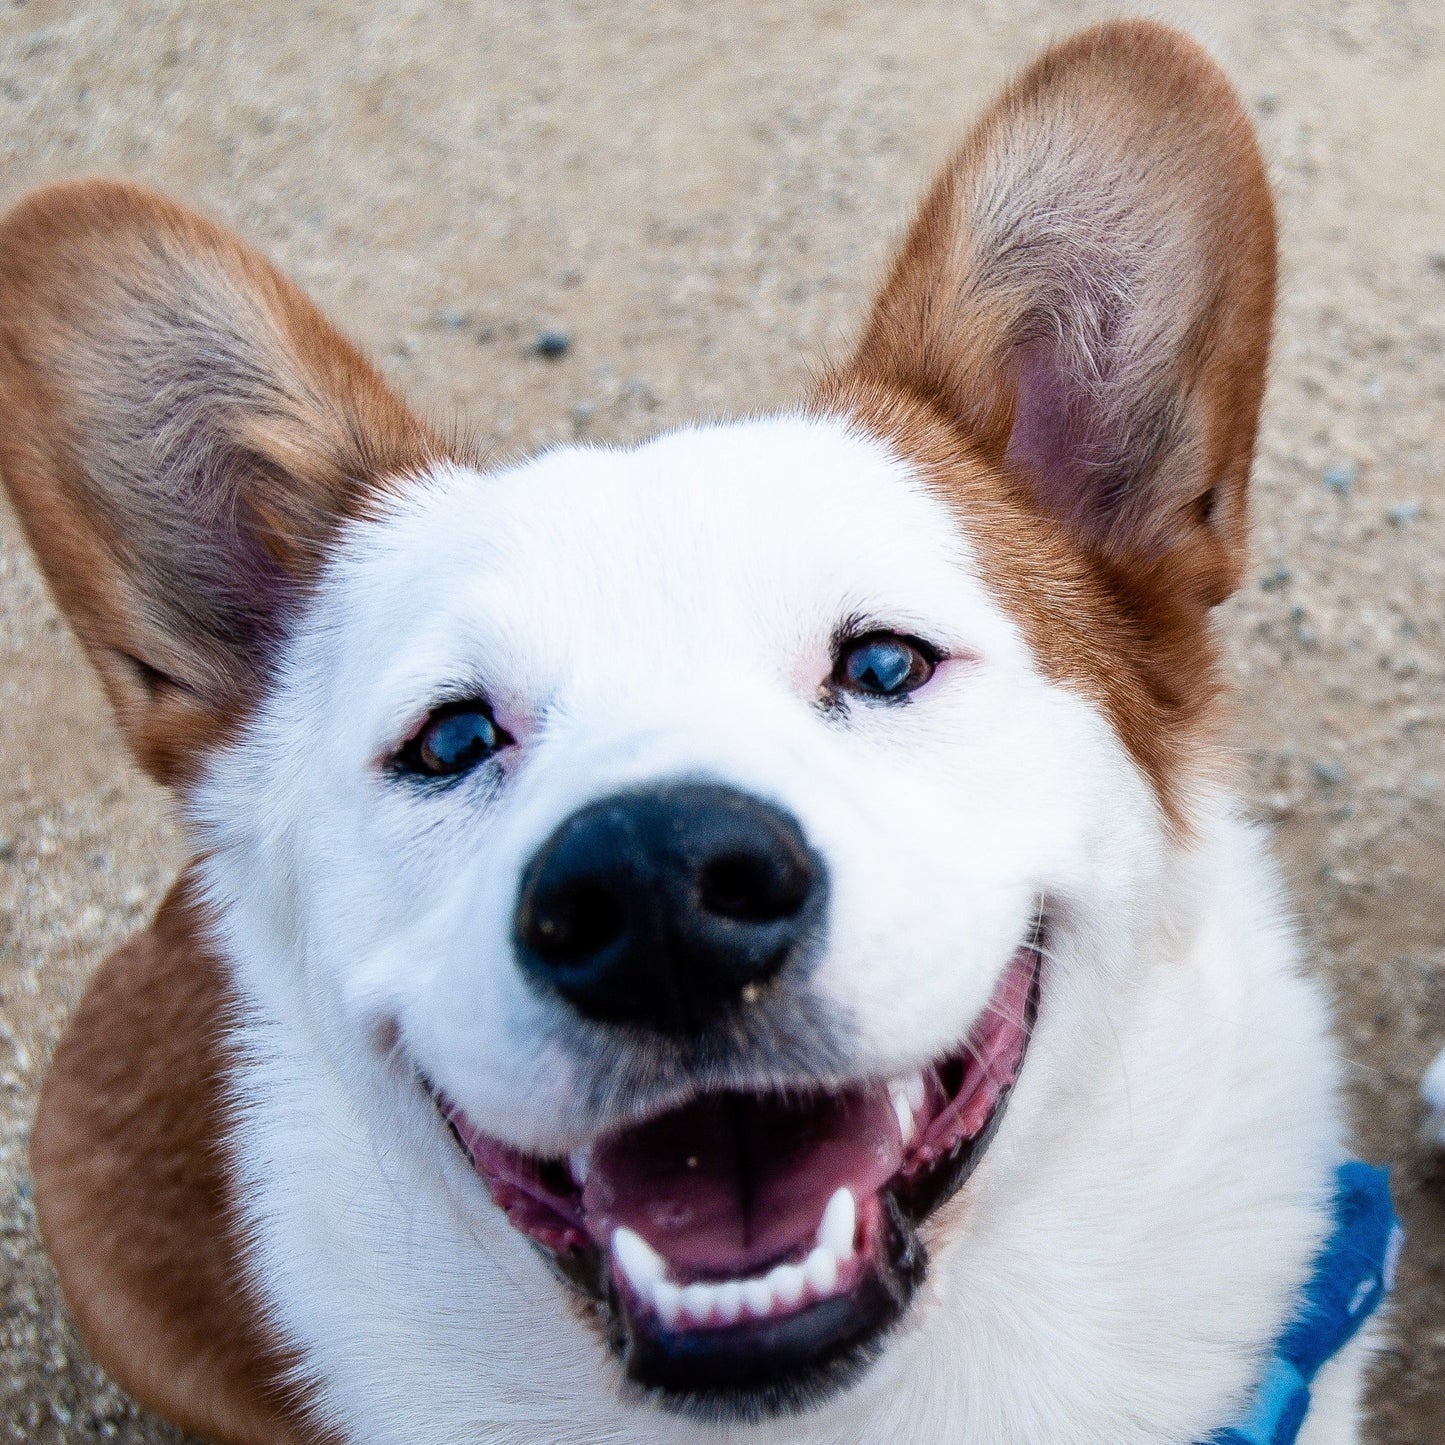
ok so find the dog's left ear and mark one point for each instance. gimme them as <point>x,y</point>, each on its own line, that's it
<point>1086,296</point>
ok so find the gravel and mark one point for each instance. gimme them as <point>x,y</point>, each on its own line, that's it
<point>707,194</point>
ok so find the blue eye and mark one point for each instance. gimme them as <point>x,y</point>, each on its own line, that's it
<point>455,738</point>
<point>883,664</point>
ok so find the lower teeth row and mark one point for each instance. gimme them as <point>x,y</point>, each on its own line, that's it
<point>779,1291</point>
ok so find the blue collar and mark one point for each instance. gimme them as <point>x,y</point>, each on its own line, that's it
<point>1353,1273</point>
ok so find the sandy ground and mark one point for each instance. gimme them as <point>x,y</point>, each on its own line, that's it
<point>700,197</point>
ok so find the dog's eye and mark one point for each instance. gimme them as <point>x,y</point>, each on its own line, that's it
<point>456,737</point>
<point>882,664</point>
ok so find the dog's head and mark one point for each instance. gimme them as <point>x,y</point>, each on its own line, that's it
<point>679,844</point>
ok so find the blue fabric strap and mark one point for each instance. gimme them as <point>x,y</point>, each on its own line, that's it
<point>1353,1273</point>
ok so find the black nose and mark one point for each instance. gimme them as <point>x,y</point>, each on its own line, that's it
<point>661,906</point>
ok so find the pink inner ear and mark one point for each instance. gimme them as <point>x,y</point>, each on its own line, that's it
<point>1060,443</point>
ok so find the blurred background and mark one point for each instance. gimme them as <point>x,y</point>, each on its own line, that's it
<point>557,219</point>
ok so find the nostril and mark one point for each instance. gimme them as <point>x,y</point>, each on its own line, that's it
<point>576,923</point>
<point>750,888</point>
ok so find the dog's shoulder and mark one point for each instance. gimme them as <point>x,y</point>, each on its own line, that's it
<point>131,1187</point>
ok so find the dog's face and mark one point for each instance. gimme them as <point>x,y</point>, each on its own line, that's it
<point>675,848</point>
<point>800,808</point>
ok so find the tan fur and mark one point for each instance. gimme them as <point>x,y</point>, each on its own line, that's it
<point>167,394</point>
<point>1122,156</point>
<point>132,1192</point>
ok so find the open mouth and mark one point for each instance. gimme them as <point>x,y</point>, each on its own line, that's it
<point>749,1251</point>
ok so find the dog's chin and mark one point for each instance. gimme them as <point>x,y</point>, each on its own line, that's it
<point>749,1253</point>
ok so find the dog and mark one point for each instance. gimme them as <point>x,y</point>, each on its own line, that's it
<point>745,937</point>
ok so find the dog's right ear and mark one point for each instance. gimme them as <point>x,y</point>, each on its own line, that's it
<point>181,432</point>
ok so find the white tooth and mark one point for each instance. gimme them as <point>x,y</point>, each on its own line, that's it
<point>914,1091</point>
<point>638,1260</point>
<point>667,1301</point>
<point>820,1269</point>
<point>729,1301</point>
<point>840,1222</point>
<point>757,1297</point>
<point>581,1162</point>
<point>902,1109</point>
<point>787,1283</point>
<point>698,1301</point>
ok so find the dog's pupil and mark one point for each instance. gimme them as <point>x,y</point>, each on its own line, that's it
<point>883,665</point>
<point>458,740</point>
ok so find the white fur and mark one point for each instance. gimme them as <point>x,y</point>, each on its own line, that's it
<point>1133,1240</point>
<point>1432,1095</point>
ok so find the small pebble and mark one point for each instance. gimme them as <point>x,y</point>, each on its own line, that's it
<point>636,389</point>
<point>1273,580</point>
<point>1329,774</point>
<point>7,849</point>
<point>1403,513</point>
<point>1267,101</point>
<point>1340,478</point>
<point>1437,259</point>
<point>582,414</point>
<point>450,320</point>
<point>552,344</point>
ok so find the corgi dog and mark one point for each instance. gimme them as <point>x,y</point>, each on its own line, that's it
<point>741,938</point>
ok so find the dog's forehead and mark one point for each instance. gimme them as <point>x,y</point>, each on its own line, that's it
<point>750,533</point>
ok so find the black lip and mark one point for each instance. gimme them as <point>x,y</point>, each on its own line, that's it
<point>765,1368</point>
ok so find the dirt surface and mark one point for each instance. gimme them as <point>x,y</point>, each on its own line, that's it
<point>699,198</point>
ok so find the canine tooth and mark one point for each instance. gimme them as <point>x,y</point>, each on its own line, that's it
<point>667,1301</point>
<point>580,1161</point>
<point>840,1222</point>
<point>787,1283</point>
<point>698,1301</point>
<point>903,1110</point>
<point>914,1091</point>
<point>820,1269</point>
<point>757,1297</point>
<point>729,1300</point>
<point>638,1260</point>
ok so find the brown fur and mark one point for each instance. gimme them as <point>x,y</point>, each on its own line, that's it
<point>1131,122</point>
<point>176,416</point>
<point>132,1191</point>
<point>183,432</point>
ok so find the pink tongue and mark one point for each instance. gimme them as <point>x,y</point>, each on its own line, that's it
<point>732,1183</point>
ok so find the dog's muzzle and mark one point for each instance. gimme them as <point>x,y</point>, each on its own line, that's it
<point>747,1251</point>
